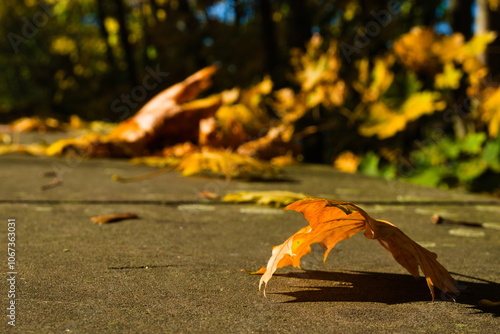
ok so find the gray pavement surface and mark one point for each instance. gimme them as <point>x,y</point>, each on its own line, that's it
<point>176,269</point>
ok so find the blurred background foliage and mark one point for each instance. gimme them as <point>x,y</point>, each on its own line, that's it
<point>400,89</point>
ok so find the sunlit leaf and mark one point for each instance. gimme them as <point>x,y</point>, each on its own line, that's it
<point>449,78</point>
<point>469,170</point>
<point>383,122</point>
<point>31,149</point>
<point>473,143</point>
<point>332,221</point>
<point>491,154</point>
<point>422,103</point>
<point>277,198</point>
<point>230,165</point>
<point>156,161</point>
<point>490,113</point>
<point>347,162</point>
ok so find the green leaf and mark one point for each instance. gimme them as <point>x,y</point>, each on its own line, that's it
<point>470,170</point>
<point>369,164</point>
<point>429,177</point>
<point>491,154</point>
<point>473,143</point>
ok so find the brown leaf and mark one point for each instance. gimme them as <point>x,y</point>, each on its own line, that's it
<point>275,143</point>
<point>113,218</point>
<point>332,221</point>
<point>164,117</point>
<point>167,119</point>
<point>212,134</point>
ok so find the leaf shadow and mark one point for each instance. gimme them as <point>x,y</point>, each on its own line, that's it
<point>387,288</point>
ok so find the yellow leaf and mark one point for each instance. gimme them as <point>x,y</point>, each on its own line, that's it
<point>238,112</point>
<point>383,122</point>
<point>478,44</point>
<point>490,113</point>
<point>230,165</point>
<point>494,4</point>
<point>422,103</point>
<point>112,25</point>
<point>63,46</point>
<point>332,221</point>
<point>27,124</point>
<point>84,144</point>
<point>414,50</point>
<point>347,162</point>
<point>284,160</point>
<point>317,72</point>
<point>449,48</point>
<point>449,78</point>
<point>290,106</point>
<point>156,161</point>
<point>382,78</point>
<point>5,138</point>
<point>277,198</point>
<point>32,149</point>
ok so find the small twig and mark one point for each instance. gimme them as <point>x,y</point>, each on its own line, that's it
<point>437,219</point>
<point>54,183</point>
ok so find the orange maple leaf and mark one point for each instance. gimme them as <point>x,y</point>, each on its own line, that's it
<point>333,221</point>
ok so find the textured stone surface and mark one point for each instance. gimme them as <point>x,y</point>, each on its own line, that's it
<point>176,269</point>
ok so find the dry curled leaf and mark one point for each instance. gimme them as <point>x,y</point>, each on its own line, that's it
<point>168,118</point>
<point>277,198</point>
<point>113,218</point>
<point>333,221</point>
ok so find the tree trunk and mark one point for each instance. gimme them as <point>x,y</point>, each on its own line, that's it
<point>127,48</point>
<point>268,35</point>
<point>488,20</point>
<point>461,17</point>
<point>237,13</point>
<point>101,14</point>
<point>300,27</point>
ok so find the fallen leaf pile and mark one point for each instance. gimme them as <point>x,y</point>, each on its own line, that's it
<point>332,221</point>
<point>227,134</point>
